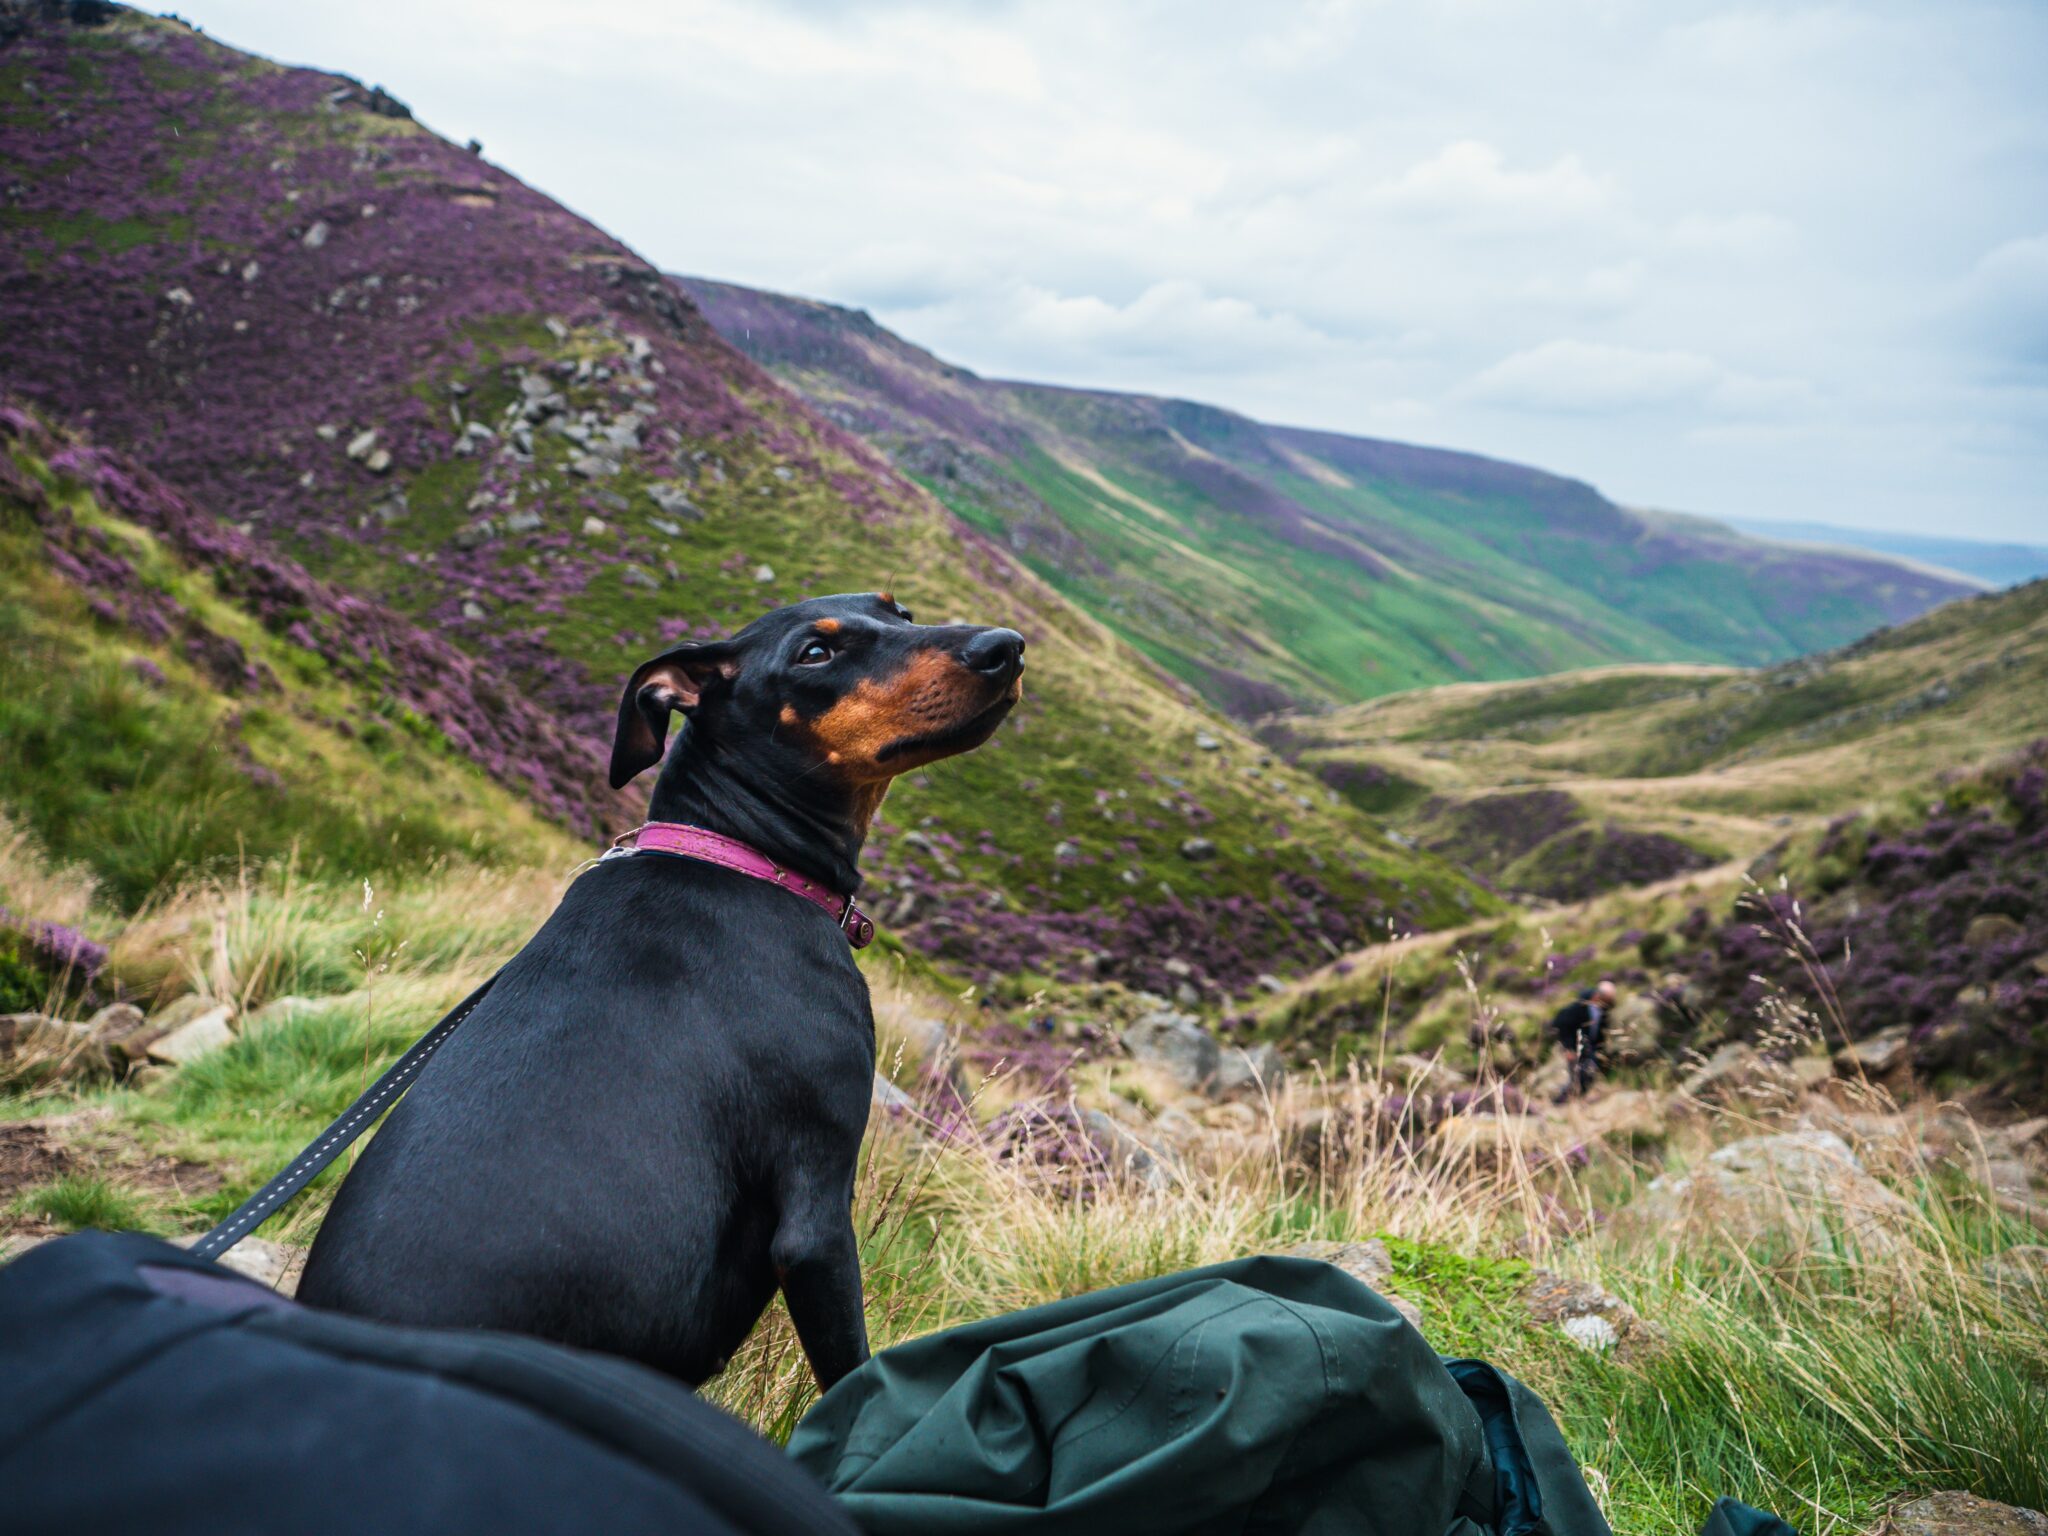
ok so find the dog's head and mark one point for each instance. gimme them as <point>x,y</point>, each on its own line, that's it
<point>845,692</point>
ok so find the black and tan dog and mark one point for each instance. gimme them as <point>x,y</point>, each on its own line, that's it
<point>653,1118</point>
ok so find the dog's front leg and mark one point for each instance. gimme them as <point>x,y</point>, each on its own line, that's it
<point>818,1263</point>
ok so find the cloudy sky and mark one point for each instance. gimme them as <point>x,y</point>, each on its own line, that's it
<point>1768,260</point>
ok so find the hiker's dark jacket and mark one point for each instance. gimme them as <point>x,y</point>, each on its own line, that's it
<point>1577,1025</point>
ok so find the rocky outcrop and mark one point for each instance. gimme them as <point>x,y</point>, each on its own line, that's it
<point>1804,1186</point>
<point>1590,1316</point>
<point>1955,1513</point>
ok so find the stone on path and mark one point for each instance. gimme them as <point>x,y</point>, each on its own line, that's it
<point>201,1036</point>
<point>1954,1513</point>
<point>1257,1069</point>
<point>276,1265</point>
<point>1591,1316</point>
<point>1802,1184</point>
<point>1179,1045</point>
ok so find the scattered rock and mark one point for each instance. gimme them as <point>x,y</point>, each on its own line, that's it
<point>1877,1057</point>
<point>1630,1114</point>
<point>34,1047</point>
<point>116,1021</point>
<point>674,503</point>
<point>1204,742</point>
<point>360,445</point>
<point>1591,1316</point>
<point>1178,1044</point>
<point>1732,1068</point>
<point>522,520</point>
<point>890,1099</point>
<point>202,1036</point>
<point>1989,928</point>
<point>1954,1513</point>
<point>1595,1335</point>
<point>315,237</point>
<point>1266,981</point>
<point>276,1265</point>
<point>595,527</point>
<point>1196,849</point>
<point>763,574</point>
<point>379,461</point>
<point>1257,1069</point>
<point>1806,1073</point>
<point>1804,1184</point>
<point>1149,1164</point>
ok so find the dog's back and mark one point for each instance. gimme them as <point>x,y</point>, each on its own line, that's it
<point>603,1153</point>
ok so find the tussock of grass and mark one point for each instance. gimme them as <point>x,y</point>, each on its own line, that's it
<point>78,1201</point>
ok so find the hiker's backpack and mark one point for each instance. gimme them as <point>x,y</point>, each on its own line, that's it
<point>143,1389</point>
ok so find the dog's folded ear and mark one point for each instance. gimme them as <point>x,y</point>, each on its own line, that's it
<point>677,679</point>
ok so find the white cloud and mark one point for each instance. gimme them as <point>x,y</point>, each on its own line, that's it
<point>1747,236</point>
<point>1471,180</point>
<point>2003,303</point>
<point>1573,376</point>
<point>1168,321</point>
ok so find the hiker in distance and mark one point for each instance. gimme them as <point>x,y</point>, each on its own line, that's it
<point>1578,1026</point>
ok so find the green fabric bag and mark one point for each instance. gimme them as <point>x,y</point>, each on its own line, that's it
<point>1266,1395</point>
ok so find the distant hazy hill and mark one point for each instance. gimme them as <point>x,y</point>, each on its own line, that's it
<point>1271,566</point>
<point>1996,565</point>
<point>442,393</point>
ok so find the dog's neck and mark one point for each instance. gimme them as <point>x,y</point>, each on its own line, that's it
<point>815,832</point>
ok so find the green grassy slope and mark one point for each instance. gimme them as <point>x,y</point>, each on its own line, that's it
<point>1268,566</point>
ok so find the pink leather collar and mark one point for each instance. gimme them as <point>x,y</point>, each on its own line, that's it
<point>689,842</point>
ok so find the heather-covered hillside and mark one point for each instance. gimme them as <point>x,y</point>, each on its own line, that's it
<point>376,353</point>
<point>177,700</point>
<point>1271,566</point>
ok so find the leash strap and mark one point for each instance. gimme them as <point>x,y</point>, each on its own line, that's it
<point>337,1138</point>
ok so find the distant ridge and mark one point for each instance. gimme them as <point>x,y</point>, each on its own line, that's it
<point>1989,562</point>
<point>1276,567</point>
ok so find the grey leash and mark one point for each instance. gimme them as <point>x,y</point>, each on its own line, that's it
<point>336,1139</point>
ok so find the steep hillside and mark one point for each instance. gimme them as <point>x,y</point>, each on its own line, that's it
<point>1721,762</point>
<point>436,388</point>
<point>174,699</point>
<point>1270,566</point>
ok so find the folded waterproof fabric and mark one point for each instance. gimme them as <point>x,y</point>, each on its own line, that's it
<point>145,1390</point>
<point>1267,1395</point>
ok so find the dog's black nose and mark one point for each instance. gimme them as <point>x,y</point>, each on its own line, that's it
<point>994,651</point>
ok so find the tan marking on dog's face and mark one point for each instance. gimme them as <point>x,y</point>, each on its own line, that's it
<point>928,694</point>
<point>826,627</point>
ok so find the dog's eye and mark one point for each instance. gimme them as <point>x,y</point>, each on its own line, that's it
<point>815,654</point>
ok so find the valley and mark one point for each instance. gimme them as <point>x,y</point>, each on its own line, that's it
<point>345,477</point>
